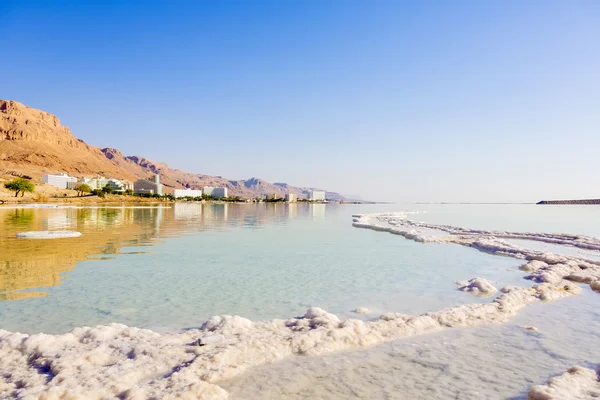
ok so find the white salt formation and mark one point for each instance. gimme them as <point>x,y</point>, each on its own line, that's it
<point>48,234</point>
<point>477,286</point>
<point>130,363</point>
<point>362,310</point>
<point>577,383</point>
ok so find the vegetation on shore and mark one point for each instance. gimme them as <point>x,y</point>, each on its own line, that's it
<point>20,185</point>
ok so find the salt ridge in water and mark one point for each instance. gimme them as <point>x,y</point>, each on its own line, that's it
<point>130,363</point>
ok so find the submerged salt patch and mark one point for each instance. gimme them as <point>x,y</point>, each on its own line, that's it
<point>361,310</point>
<point>48,234</point>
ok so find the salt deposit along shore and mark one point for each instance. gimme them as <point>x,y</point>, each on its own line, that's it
<point>116,361</point>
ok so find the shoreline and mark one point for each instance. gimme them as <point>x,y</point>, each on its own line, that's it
<point>569,202</point>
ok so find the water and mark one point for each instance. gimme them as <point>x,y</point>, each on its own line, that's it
<point>171,268</point>
<point>490,362</point>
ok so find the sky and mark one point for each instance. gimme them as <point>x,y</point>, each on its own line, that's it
<point>482,101</point>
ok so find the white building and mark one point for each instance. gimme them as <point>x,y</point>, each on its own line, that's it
<point>142,186</point>
<point>291,197</point>
<point>219,192</point>
<point>100,182</point>
<point>60,181</point>
<point>178,193</point>
<point>316,195</point>
<point>208,190</point>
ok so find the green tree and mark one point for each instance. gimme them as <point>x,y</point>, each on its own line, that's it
<point>83,188</point>
<point>99,193</point>
<point>20,185</point>
<point>107,189</point>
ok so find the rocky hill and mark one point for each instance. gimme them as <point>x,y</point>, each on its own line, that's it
<point>33,142</point>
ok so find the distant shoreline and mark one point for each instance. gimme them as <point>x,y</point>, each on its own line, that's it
<point>567,202</point>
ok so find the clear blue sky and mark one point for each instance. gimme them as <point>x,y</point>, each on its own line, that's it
<point>391,100</point>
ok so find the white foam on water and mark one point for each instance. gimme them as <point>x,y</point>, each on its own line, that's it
<point>131,363</point>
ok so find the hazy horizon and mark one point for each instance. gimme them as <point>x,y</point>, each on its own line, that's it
<point>393,101</point>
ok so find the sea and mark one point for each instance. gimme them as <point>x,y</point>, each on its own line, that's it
<point>169,267</point>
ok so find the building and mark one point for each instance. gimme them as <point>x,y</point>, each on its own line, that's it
<point>101,182</point>
<point>291,197</point>
<point>316,195</point>
<point>208,190</point>
<point>60,181</point>
<point>178,193</point>
<point>142,186</point>
<point>219,192</point>
<point>271,196</point>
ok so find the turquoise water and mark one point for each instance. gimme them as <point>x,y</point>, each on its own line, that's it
<point>171,268</point>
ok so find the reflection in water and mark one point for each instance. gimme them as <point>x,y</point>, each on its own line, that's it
<point>317,210</point>
<point>32,264</point>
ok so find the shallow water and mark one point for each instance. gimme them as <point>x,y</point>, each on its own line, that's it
<point>171,268</point>
<point>491,362</point>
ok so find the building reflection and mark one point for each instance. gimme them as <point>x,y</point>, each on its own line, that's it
<point>28,265</point>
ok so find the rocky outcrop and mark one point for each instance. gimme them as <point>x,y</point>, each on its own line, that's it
<point>34,142</point>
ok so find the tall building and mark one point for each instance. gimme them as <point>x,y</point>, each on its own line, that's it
<point>208,190</point>
<point>316,195</point>
<point>60,181</point>
<point>219,192</point>
<point>178,193</point>
<point>146,186</point>
<point>291,197</point>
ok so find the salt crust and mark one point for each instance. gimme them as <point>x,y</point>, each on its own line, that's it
<point>578,383</point>
<point>477,286</point>
<point>116,361</point>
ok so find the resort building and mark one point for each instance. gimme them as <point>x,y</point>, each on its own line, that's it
<point>100,182</point>
<point>208,190</point>
<point>60,181</point>
<point>178,193</point>
<point>142,186</point>
<point>291,197</point>
<point>316,195</point>
<point>219,192</point>
<point>271,196</point>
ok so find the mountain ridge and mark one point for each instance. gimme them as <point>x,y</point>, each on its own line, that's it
<point>34,142</point>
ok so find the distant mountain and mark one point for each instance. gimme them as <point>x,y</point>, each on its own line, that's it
<point>33,142</point>
<point>353,197</point>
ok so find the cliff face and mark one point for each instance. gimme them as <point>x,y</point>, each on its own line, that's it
<point>33,142</point>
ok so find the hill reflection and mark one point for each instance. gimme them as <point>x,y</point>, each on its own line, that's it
<point>27,265</point>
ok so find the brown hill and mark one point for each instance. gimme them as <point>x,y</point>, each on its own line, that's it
<point>33,142</point>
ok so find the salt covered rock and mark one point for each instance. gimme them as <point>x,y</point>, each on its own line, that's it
<point>477,286</point>
<point>577,383</point>
<point>595,285</point>
<point>533,265</point>
<point>226,324</point>
<point>362,310</point>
